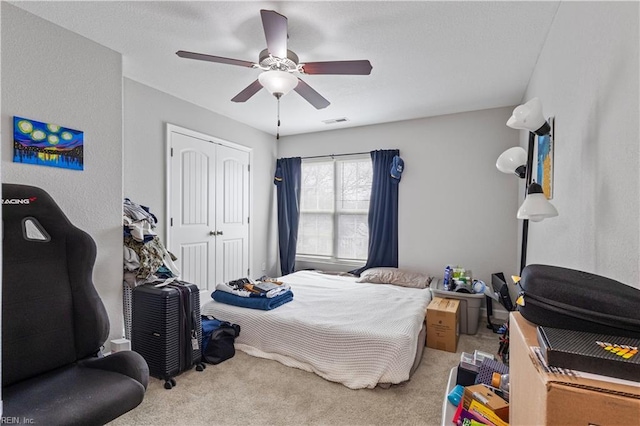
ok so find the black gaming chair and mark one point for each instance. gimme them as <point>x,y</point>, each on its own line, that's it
<point>54,323</point>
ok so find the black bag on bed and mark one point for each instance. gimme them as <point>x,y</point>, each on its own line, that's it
<point>218,339</point>
<point>575,300</point>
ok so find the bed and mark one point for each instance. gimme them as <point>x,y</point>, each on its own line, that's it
<point>357,334</point>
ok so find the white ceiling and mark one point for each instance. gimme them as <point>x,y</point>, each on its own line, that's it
<point>429,58</point>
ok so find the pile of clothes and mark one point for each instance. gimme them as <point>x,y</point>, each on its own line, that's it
<point>145,257</point>
<point>266,294</point>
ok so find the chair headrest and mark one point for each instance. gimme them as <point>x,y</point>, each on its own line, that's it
<point>34,208</point>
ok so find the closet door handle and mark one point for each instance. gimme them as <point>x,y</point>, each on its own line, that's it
<point>214,233</point>
<point>219,232</point>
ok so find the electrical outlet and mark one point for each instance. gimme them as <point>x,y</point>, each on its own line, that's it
<point>264,266</point>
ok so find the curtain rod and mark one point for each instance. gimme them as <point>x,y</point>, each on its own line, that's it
<point>335,155</point>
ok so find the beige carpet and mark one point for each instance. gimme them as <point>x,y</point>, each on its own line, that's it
<point>252,391</point>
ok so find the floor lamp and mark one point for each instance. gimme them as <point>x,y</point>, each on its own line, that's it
<point>516,160</point>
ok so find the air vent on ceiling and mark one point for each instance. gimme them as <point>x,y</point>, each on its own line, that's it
<point>335,120</point>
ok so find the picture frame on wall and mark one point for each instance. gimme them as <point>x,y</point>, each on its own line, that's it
<point>47,144</point>
<point>543,161</point>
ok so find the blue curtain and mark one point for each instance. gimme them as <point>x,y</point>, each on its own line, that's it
<point>287,179</point>
<point>383,213</point>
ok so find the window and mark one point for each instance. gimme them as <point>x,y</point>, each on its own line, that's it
<point>334,208</point>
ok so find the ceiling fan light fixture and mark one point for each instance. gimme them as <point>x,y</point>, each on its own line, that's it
<point>278,83</point>
<point>278,64</point>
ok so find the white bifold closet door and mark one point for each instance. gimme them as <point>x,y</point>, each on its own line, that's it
<point>208,210</point>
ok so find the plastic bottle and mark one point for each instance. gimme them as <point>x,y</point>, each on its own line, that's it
<point>458,272</point>
<point>500,381</point>
<point>446,283</point>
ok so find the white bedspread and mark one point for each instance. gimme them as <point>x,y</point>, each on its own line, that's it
<point>355,334</point>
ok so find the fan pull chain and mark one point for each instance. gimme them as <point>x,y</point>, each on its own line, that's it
<point>278,127</point>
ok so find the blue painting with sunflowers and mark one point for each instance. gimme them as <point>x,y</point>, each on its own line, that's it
<point>47,144</point>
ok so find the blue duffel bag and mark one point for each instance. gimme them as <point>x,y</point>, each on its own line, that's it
<point>218,338</point>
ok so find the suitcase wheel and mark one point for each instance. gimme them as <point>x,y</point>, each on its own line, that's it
<point>169,383</point>
<point>200,366</point>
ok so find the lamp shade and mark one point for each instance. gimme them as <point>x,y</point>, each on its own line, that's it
<point>513,160</point>
<point>529,117</point>
<point>278,83</point>
<point>536,207</point>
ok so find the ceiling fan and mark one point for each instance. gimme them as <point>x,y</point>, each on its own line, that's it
<point>279,64</point>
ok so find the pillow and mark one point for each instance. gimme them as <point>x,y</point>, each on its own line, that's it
<point>395,276</point>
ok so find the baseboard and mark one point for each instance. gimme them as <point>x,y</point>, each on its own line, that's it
<point>498,314</point>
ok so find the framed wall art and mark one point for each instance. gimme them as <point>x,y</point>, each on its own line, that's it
<point>543,166</point>
<point>47,144</point>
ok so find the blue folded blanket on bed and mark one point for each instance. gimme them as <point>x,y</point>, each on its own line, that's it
<point>263,303</point>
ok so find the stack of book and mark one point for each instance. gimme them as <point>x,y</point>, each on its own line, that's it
<point>481,406</point>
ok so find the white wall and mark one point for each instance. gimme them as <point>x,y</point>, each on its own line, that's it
<point>455,207</point>
<point>587,77</point>
<point>146,112</point>
<point>50,74</point>
<point>1,138</point>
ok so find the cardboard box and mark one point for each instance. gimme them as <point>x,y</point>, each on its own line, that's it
<point>443,324</point>
<point>538,396</point>
<point>488,399</point>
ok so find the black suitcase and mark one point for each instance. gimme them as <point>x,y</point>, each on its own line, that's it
<point>166,329</point>
<point>575,300</point>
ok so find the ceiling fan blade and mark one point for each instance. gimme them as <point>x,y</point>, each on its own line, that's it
<point>275,31</point>
<point>311,96</point>
<point>362,67</point>
<point>210,58</point>
<point>248,92</point>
